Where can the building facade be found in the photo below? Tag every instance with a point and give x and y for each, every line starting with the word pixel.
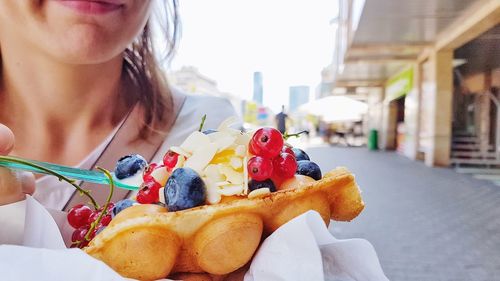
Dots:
pixel 432 70
pixel 298 95
pixel 258 88
pixel 189 80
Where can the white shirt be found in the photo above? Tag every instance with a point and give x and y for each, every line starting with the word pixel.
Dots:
pixel 54 194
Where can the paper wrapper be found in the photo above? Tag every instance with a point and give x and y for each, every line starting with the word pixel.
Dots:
pixel 302 249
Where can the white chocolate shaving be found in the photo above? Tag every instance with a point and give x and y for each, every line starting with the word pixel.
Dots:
pixel 229 190
pixel 180 151
pixel 259 193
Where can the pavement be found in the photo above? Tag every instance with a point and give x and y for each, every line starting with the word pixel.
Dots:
pixel 425 223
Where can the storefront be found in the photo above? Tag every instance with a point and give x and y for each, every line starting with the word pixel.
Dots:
pixel 394 124
pixel 416 66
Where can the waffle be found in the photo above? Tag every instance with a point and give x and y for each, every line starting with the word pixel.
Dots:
pixel 146 242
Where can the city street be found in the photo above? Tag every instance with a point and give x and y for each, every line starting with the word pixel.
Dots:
pixel 425 223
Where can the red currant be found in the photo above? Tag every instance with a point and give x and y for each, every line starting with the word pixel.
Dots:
pixel 170 159
pixel 111 205
pixel 150 193
pixel 95 214
pixel 260 168
pixel 266 142
pixel 78 237
pixel 146 176
pixel 78 215
pixel 79 234
pixel 285 165
pixel 288 150
pixel 105 220
pixel 93 217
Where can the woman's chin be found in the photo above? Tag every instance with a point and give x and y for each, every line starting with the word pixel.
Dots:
pixel 82 48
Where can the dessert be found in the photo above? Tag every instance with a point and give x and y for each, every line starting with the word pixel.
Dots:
pixel 209 204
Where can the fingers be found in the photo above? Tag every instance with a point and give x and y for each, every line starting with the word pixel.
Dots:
pixel 15 185
pixel 27 182
pixel 6 140
pixel 10 187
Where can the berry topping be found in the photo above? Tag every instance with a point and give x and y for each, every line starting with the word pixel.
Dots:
pixel 146 176
pixel 170 159
pixel 308 168
pixel 105 220
pixel 253 185
pixel 260 168
pixel 149 193
pixel 110 207
pixel 129 165
pixel 300 154
pixel 285 165
pixel 79 215
pixel 184 189
pixel 266 142
pixel 122 205
pixel 78 237
pixel 288 149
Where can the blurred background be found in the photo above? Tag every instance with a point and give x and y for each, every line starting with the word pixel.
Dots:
pixel 403 93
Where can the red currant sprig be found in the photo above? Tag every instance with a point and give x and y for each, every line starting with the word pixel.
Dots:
pixel 105 209
pixel 273 160
pixel 79 216
pixel 266 142
pixel 287 135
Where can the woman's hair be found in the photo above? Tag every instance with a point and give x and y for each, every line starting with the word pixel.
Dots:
pixel 142 67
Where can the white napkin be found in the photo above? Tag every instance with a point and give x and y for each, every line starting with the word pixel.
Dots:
pixel 302 249
pixel 40 228
pixel 20 263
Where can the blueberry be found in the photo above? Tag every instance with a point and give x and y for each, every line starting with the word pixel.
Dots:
pixel 209 131
pixel 122 205
pixel 300 154
pixel 129 165
pixel 253 185
pixel 308 168
pixel 184 189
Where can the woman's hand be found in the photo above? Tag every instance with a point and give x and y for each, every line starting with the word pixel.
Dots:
pixel 13 185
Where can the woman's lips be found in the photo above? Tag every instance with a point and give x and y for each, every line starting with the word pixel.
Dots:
pixel 92 7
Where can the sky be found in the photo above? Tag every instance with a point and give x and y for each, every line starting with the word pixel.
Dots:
pixel 289 41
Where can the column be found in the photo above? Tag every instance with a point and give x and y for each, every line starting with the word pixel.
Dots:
pixel 442 97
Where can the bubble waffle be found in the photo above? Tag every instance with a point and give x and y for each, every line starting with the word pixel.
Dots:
pixel 146 242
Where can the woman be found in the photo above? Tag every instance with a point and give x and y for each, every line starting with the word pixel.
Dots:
pixel 79 82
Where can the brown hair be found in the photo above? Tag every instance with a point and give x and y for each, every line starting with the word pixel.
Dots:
pixel 142 68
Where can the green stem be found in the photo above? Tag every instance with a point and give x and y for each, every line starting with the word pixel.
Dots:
pixel 48 171
pixel 287 136
pixel 104 212
pixel 202 122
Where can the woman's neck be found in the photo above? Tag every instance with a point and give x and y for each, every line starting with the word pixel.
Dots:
pixel 53 107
